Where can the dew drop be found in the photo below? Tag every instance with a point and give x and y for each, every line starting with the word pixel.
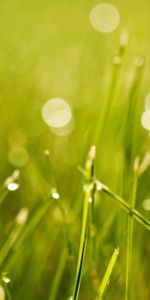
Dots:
pixel 13 186
pixel 55 195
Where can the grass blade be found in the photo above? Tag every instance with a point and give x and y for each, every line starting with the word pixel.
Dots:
pixel 107 275
pixel 85 219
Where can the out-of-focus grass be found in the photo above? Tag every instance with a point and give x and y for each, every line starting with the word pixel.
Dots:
pixel 49 49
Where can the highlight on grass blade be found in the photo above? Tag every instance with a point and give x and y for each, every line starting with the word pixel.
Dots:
pixel 107 274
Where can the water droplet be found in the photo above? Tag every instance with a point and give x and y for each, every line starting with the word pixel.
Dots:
pixel 104 17
pixel 56 113
pixel 55 195
pixel 145 119
pixel 5 278
pixel 90 200
pixel 13 186
pixel 99 185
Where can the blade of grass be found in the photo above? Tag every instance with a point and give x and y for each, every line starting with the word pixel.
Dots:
pixel 29 227
pixel 85 219
pixel 58 276
pixel 13 235
pixel 107 274
pixel 122 203
pixel 130 231
pixel 107 105
pixel 132 212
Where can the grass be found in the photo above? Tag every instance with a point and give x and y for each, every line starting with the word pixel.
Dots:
pixel 106 278
pixel 60 223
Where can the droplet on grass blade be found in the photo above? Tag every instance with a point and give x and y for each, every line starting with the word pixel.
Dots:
pixel 90 200
pixel 5 278
pixel 104 17
pixel 145 119
pixel 11 182
pixel 13 186
pixel 99 185
pixel 55 195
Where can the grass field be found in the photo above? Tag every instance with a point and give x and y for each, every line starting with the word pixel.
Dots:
pixel 74 199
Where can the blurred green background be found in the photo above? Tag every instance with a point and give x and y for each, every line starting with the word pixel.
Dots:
pixel 49 49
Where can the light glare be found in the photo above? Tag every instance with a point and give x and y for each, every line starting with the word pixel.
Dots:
pixel 56 113
pixel 104 17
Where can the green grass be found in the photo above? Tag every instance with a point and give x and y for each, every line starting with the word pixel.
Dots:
pixel 78 208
